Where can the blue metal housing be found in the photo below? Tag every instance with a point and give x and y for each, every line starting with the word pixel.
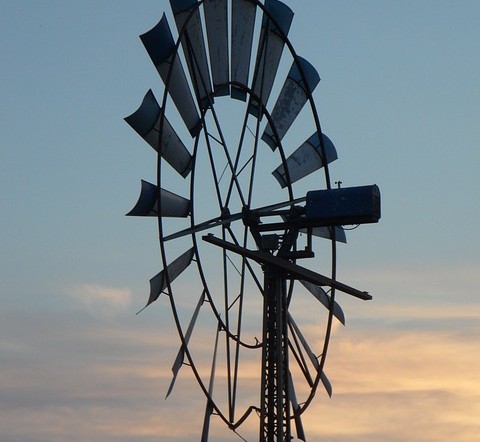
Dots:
pixel 349 205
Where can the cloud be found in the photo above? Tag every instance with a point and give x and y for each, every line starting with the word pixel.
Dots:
pixel 66 373
pixel 101 301
pixel 396 385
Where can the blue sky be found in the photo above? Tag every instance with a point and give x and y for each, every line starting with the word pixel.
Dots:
pixel 399 97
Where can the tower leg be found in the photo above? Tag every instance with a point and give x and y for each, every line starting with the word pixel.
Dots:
pixel 275 407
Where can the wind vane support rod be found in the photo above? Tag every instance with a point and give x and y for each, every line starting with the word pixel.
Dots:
pixel 294 270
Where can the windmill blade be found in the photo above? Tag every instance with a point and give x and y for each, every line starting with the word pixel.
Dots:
pixel 326 232
pixel 324 299
pixel 171 204
pixel 326 383
pixel 209 407
pixel 305 160
pixel 243 24
pixel 146 122
pixel 159 282
pixel 296 408
pixel 216 19
pixel 181 353
pixel 193 46
pixel 304 342
pixel 269 51
pixel 292 98
pixel 311 355
pixel 160 46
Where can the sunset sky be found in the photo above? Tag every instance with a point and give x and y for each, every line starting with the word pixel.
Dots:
pixel 399 96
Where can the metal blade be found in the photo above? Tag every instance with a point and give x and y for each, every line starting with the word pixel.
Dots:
pixel 326 232
pixel 209 407
pixel 193 46
pixel 243 23
pixel 313 358
pixel 159 282
pixel 324 298
pixel 304 342
pixel 216 19
pixel 296 408
pixel 146 122
pixel 326 383
pixel 171 204
pixel 181 353
pixel 160 46
pixel 269 51
pixel 292 98
pixel 305 160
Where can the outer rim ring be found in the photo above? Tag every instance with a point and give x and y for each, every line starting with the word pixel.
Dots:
pixel 169 289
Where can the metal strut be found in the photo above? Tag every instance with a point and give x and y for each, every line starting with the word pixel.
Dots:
pixel 275 404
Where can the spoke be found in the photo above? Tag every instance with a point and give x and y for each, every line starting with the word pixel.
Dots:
pixel 212 164
pixel 229 159
pixel 181 353
pixel 237 157
pixel 244 166
pixel 227 324
pixel 249 266
pixel 239 321
pixel 266 209
pixel 221 220
pixel 245 238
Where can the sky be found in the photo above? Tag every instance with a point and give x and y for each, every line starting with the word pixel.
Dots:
pixel 399 97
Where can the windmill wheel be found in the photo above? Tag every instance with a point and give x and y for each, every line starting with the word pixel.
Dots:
pixel 237 134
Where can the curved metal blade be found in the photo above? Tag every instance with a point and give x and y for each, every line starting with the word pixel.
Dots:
pixel 326 383
pixel 160 46
pixel 171 204
pixel 193 46
pixel 216 19
pixel 159 282
pixel 292 98
pixel 243 23
pixel 326 232
pixel 269 51
pixel 304 342
pixel 325 299
pixel 311 355
pixel 305 160
pixel 296 408
pixel 181 353
pixel 146 122
pixel 209 407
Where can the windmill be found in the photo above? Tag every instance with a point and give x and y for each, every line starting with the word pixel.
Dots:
pixel 237 225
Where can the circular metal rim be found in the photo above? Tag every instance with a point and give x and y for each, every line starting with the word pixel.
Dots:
pixel 328 327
